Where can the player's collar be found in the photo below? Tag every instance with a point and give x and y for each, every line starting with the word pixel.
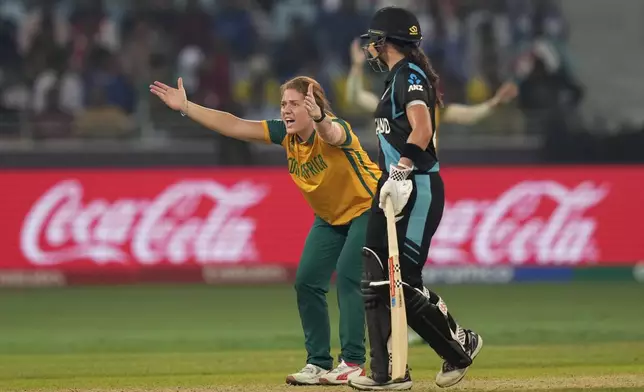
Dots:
pixel 310 139
pixel 395 69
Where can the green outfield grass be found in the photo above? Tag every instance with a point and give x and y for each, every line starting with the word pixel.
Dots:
pixel 566 337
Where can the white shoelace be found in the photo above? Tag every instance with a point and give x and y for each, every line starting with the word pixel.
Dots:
pixel 309 369
pixel 341 367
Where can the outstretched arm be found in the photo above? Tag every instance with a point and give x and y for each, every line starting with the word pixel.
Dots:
pixel 226 123
pixel 216 120
pixel 471 114
pixel 355 92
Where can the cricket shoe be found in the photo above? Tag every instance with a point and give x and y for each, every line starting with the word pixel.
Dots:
pixel 342 374
pixel 451 375
pixel 364 383
pixel 309 375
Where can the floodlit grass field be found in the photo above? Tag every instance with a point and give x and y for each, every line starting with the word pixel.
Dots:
pixel 557 337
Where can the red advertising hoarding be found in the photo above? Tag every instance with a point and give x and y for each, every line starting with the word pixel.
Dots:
pixel 97 221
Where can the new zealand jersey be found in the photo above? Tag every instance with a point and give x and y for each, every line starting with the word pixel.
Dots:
pixel 405 84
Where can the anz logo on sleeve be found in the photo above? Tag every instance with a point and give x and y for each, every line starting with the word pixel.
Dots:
pixel 414 83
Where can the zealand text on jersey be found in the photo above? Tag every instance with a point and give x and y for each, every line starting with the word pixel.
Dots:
pixel 382 126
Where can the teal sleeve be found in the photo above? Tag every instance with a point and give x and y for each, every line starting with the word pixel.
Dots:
pixel 276 131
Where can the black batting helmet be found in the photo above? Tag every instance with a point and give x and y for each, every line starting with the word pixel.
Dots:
pixel 394 24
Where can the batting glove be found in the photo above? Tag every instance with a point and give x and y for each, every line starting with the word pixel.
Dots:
pixel 398 188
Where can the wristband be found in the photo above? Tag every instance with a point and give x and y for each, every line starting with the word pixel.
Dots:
pixel 321 118
pixel 186 112
pixel 413 152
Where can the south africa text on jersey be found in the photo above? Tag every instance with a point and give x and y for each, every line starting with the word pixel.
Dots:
pixel 308 169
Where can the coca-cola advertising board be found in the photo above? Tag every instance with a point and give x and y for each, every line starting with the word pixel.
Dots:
pixel 97 221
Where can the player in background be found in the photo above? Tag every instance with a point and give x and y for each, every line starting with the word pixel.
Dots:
pixel 338 180
pixel 406 119
pixel 357 95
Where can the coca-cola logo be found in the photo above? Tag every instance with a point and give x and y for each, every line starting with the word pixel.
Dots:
pixel 193 220
pixel 543 222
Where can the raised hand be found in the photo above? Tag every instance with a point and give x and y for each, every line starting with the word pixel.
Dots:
pixel 311 106
pixel 175 98
pixel 357 54
pixel 506 93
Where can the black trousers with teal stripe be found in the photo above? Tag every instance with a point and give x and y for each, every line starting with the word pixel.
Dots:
pixel 422 215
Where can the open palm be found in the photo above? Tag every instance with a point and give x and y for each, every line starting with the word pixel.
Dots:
pixel 357 54
pixel 506 93
pixel 175 98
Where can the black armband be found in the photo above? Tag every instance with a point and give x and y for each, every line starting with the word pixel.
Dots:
pixel 413 152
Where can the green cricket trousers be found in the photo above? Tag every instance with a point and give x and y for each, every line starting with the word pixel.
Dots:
pixel 327 249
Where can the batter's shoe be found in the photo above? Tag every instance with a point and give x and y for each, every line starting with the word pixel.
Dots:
pixel 365 383
pixel 451 375
pixel 342 374
pixel 309 375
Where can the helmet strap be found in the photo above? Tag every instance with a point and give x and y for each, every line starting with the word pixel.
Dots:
pixel 378 65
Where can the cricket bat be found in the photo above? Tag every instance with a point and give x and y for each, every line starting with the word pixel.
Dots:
pixel 399 343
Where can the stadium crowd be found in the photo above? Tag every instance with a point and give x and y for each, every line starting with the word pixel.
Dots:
pixel 72 68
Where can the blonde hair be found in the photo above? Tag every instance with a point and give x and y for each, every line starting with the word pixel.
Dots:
pixel 301 85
